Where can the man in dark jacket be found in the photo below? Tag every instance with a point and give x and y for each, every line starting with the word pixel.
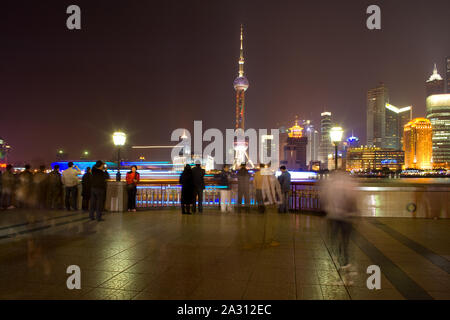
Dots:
pixel 198 175
pixel 187 189
pixel 55 188
pixel 243 188
pixel 285 183
pixel 98 191
pixel 86 183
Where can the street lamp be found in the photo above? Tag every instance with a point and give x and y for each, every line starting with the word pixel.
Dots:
pixel 336 137
pixel 119 139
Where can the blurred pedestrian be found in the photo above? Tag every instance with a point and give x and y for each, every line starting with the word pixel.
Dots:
pixel 225 191
pixel 132 178
pixel 55 189
pixel 24 191
pixel 8 181
pixel 338 198
pixel 86 184
pixel 285 184
pixel 98 191
pixel 243 188
pixel 187 189
pixel 70 182
pixel 271 190
pixel 258 185
pixel 198 176
pixel 40 180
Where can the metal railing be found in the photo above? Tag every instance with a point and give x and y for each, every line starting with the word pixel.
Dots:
pixel 304 196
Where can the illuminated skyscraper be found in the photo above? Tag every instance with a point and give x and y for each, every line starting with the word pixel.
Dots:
pixel 4 151
pixel 240 84
pixel 395 120
pixel 417 144
pixel 312 148
pixel 435 84
pixel 377 98
pixel 438 112
pixel 326 147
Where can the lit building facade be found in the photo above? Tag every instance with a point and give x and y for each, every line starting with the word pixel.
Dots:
pixel 438 112
pixel 395 119
pixel 293 149
pixel 240 85
pixel 418 144
pixel 435 84
pixel 367 158
pixel 4 152
pixel 326 147
pixel 352 142
pixel 312 148
pixel 377 98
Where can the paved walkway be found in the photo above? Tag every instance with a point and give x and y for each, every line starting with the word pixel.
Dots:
pixel 164 255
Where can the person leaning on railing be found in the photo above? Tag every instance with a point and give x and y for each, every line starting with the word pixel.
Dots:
pixel 225 191
pixel 285 183
pixel 133 178
pixel 98 190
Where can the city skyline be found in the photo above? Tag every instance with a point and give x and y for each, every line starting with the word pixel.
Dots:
pixel 72 89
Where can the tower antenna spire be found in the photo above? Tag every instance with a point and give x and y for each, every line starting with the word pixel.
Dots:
pixel 241 55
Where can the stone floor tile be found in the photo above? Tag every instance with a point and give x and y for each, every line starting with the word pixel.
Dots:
pixel 260 291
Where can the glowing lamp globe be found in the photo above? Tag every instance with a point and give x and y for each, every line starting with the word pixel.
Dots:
pixel 336 134
pixel 119 138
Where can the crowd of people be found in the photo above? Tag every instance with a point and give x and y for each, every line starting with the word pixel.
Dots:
pixel 29 189
pixel 269 189
pixel 54 190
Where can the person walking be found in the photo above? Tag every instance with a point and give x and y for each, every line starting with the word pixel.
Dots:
pixel 198 175
pixel 55 188
pixel 225 191
pixel 132 178
pixel 70 182
pixel 98 190
pixel 86 184
pixel 285 183
pixel 187 189
pixel 258 184
pixel 337 195
pixel 8 181
pixel 243 188
pixel 40 181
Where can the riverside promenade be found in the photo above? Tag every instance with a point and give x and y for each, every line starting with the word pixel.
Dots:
pixel 161 254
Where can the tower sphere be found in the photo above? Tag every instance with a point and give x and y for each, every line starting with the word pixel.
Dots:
pixel 240 83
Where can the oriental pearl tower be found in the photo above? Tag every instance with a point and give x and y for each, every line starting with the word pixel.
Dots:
pixel 240 84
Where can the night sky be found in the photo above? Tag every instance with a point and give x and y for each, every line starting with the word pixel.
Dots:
pixel 149 67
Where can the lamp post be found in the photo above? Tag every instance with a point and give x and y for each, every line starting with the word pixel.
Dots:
pixel 336 137
pixel 119 139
